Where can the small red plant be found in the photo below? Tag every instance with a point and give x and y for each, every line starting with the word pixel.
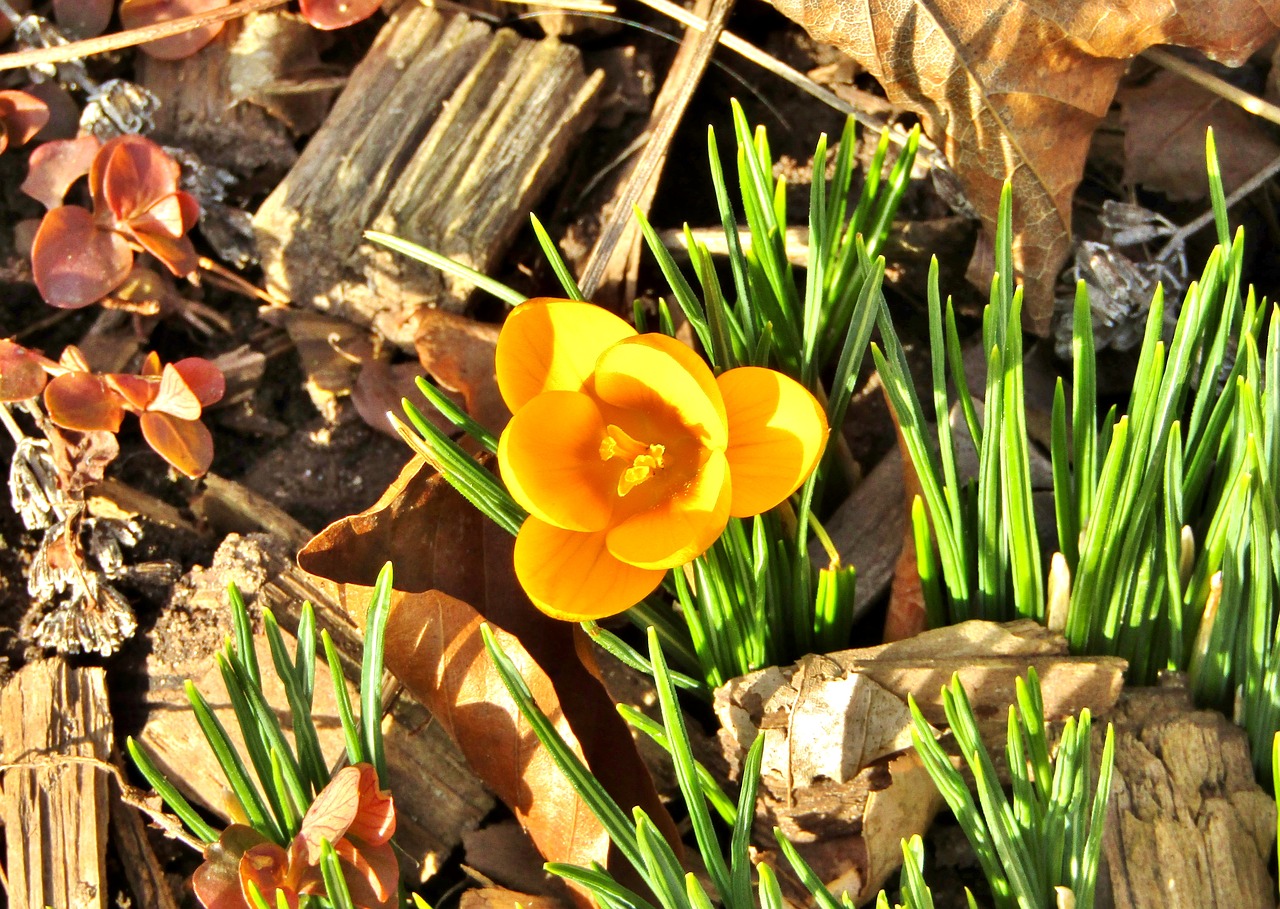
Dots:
pixel 21 117
pixel 331 14
pixel 139 13
pixel 80 256
pixel 168 400
pixel 351 813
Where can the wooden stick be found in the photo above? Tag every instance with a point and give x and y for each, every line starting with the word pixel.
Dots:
pixel 668 111
pixel 1220 87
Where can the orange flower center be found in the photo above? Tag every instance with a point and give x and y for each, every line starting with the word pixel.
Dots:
pixel 645 460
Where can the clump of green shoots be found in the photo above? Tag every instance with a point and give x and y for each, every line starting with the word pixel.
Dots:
pixel 1047 838
pixel 754 598
pixel 1165 510
pixel 310 832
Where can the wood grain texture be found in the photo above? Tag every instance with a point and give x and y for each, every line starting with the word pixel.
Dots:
pixel 446 135
pixel 1187 824
pixel 55 810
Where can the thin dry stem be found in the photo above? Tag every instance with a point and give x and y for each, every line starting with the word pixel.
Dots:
pixel 78 50
pixel 772 64
pixel 1220 87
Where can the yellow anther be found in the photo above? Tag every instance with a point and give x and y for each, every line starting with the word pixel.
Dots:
pixel 645 459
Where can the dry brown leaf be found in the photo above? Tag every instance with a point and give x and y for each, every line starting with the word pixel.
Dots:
pixel 906 615
pixel 838 775
pixel 458 353
pixel 453 571
pixel 1165 121
pixel 1015 90
pixel 502 898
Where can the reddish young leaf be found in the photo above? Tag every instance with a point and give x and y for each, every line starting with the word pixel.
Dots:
pixel 21 117
pixel 83 18
pixel 55 165
pixel 139 13
pixel 74 262
pixel 203 378
pixel 178 255
pixel 174 397
pixel 371 873
pixel 217 881
pixel 375 820
pixel 267 867
pixel 84 402
pixel 137 391
pixel 331 14
pixel 331 813
pixel 21 375
pixel 130 175
pixel 186 444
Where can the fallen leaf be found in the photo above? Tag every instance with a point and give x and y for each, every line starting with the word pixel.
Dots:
pixel 1170 159
pixel 1015 91
pixel 458 353
pixel 453 572
pixel 379 389
pixel 502 898
pixel 838 774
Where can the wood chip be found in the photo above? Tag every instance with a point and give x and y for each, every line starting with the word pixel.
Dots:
pixel 55 808
pixel 1188 827
pixel 446 135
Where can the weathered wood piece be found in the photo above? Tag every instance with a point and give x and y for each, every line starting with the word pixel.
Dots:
pixel 198 110
pixel 437 796
pixel 55 809
pixel 1187 824
pixel 447 133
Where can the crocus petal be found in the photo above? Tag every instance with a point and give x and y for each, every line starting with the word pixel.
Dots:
pixel 186 444
pixel 644 376
pixel 549 455
pixel 777 433
pixel 572 576
pixel 552 345
pixel 74 262
pixel 681 527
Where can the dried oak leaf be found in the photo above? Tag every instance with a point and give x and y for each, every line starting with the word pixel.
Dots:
pixel 459 354
pixel 1170 159
pixel 453 572
pixel 1015 90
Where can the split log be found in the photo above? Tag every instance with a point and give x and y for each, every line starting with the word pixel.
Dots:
pixel 55 807
pixel 437 796
pixel 141 866
pixel 446 135
pixel 1187 824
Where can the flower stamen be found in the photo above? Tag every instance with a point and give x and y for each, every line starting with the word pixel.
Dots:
pixel 645 459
